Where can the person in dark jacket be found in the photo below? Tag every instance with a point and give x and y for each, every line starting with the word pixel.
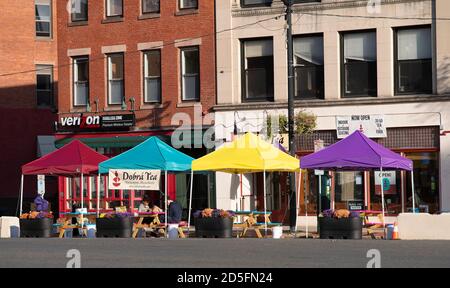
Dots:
pixel 174 212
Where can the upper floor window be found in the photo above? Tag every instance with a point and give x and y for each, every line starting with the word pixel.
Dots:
pixel 150 6
pixel 190 74
pixel 359 64
pixel 43 13
pixel 188 4
pixel 309 67
pixel 413 67
pixel 116 87
pixel 114 8
pixel 250 3
pixel 256 3
pixel 152 76
pixel 257 70
pixel 81 81
pixel 79 10
pixel 44 85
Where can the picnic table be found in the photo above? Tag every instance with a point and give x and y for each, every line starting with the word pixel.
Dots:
pixel 154 224
pixel 67 221
pixel 250 222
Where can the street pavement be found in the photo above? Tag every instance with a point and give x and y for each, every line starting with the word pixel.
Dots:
pixel 223 253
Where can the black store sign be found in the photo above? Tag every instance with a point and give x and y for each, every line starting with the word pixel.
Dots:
pixel 97 122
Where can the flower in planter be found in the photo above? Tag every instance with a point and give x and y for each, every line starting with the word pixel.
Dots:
pixel 340 214
pixel 213 213
pixel 37 215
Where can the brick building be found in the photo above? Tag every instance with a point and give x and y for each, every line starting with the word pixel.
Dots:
pixel 126 68
pixel 27 88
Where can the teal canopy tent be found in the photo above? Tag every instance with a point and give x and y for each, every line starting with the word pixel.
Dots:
pixel 153 154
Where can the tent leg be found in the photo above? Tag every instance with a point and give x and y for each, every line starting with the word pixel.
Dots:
pixel 98 195
pixel 413 192
pixel 403 190
pixel 190 201
pixel 382 202
pixel 297 198
pixel 265 203
pixel 21 194
pixel 165 196
pixel 82 201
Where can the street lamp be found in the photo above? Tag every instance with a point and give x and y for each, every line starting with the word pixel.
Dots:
pixel 291 133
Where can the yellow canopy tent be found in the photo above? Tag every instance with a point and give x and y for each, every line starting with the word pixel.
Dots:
pixel 247 154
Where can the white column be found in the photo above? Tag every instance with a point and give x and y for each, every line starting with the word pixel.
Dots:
pixel 413 192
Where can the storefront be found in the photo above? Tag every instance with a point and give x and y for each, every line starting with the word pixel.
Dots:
pixel 355 190
pixel 112 135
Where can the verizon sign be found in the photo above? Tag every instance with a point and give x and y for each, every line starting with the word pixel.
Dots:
pixel 134 180
pixel 96 122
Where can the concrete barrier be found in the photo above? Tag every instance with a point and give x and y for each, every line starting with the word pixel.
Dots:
pixel 423 226
pixel 9 227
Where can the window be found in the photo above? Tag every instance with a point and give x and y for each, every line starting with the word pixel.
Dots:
pixel 152 76
pixel 253 3
pixel 44 85
pixel 257 70
pixel 150 6
pixel 413 68
pixel 188 4
pixel 116 88
pixel 359 64
pixel 79 10
pixel 308 63
pixel 80 81
pixel 190 74
pixel 114 8
pixel 43 11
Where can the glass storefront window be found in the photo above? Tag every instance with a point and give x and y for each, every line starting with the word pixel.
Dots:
pixel 349 187
pixel 426 181
pixel 392 191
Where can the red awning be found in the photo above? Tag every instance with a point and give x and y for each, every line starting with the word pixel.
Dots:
pixel 73 159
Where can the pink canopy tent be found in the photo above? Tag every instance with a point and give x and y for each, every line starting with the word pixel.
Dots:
pixel 73 160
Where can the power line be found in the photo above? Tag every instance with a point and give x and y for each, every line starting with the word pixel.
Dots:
pixel 155 47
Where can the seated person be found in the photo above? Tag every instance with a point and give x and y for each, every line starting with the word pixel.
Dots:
pixel 147 206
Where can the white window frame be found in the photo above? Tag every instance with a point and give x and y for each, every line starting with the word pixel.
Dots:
pixel 50 21
pixel 76 81
pixel 183 73
pixel 147 77
pixel 110 78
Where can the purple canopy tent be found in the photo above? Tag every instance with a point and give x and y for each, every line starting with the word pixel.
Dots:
pixel 359 153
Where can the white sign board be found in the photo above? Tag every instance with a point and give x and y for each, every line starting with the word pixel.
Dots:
pixel 134 179
pixel 373 126
pixel 389 182
pixel 41 185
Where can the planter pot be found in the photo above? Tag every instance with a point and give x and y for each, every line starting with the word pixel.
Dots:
pixel 345 228
pixel 114 227
pixel 36 228
pixel 214 227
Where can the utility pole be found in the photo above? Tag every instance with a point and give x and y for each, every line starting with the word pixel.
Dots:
pixel 292 149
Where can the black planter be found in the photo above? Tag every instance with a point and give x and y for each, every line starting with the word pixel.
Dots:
pixel 214 227
pixel 114 227
pixel 344 228
pixel 36 228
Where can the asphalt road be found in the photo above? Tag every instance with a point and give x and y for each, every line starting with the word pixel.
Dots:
pixel 221 253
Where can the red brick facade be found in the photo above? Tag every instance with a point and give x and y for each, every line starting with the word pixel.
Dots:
pixel 168 27
pixel 20 119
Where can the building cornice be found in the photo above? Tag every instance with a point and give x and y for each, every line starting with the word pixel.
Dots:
pixel 278 8
pixel 334 103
